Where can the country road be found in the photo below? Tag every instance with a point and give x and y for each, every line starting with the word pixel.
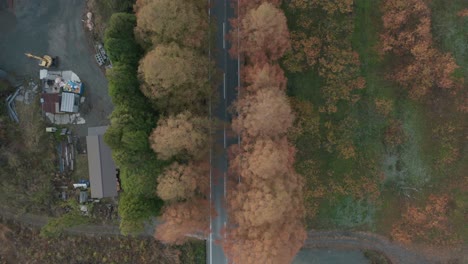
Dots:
pixel 220 12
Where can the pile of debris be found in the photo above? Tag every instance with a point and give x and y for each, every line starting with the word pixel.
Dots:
pixel 89 21
pixel 22 94
pixel 61 97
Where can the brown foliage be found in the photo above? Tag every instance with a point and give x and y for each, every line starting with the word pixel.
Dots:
pixel 169 70
pixel 247 5
pixel 330 6
pixel 407 33
pixel 305 51
pixel 394 134
pixel 183 134
pixel 267 201
pixel 383 106
pixel 264 159
pixel 165 21
pixel 265 113
pixel 340 69
pixel 266 206
pixel 181 219
pixel 429 223
pixel 307 119
pixel 463 13
pixel 180 181
pixel 265 76
pixel 264 34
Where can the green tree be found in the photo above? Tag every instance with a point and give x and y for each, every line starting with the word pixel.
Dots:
pixel 166 21
pixel 119 40
pixel 181 74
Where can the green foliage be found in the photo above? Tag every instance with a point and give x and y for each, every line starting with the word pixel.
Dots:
pixel 119 41
pixel 450 30
pixel 131 123
pixel 193 252
pixel 56 226
pixel 118 5
pixel 135 209
pixel 376 257
pixel 124 86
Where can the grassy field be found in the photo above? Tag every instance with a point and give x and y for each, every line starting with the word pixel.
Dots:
pixel 409 171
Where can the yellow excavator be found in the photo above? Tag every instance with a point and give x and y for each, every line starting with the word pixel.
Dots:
pixel 45 61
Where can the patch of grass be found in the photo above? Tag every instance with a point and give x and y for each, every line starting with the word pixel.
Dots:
pixel 354 213
pixel 450 30
pixel 193 252
pixel 388 211
pixel 81 168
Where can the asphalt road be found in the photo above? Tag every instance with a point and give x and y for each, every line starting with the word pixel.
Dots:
pixel 54 27
pixel 220 12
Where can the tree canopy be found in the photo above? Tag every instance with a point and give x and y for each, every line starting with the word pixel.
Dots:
pixel 166 21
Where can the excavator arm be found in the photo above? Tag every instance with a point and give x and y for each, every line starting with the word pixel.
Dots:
pixel 46 61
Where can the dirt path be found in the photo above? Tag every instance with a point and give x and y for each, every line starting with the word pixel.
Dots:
pixel 316 239
pixel 396 252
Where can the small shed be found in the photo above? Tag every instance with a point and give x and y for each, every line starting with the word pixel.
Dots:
pixel 102 169
pixel 69 102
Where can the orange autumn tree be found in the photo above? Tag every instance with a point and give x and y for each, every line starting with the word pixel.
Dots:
pixel 407 34
pixel 429 223
pixel 263 33
pixel 183 181
pixel 183 135
pixel 257 117
pixel 182 219
pixel 266 76
pixel 266 207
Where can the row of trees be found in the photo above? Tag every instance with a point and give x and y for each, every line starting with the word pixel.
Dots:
pixel 131 123
pixel 266 209
pixel 174 75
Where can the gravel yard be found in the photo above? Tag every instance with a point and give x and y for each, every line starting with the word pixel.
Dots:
pixel 54 27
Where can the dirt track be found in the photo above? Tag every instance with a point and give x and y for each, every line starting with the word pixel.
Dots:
pixel 54 27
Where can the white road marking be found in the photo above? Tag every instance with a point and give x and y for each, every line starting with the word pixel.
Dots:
pixel 224 35
pixel 224 136
pixel 224 85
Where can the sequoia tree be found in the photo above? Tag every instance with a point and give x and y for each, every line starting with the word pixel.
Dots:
pixel 180 181
pixel 182 219
pixel 183 134
pixel 264 34
pixel 266 112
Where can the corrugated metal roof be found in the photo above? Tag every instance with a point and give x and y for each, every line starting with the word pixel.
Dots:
pixel 68 103
pixel 49 102
pixel 102 169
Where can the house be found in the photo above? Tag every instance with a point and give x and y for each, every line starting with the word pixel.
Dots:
pixel 102 169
